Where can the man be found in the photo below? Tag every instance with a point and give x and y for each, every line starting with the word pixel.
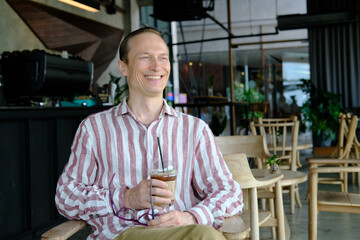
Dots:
pixel 106 181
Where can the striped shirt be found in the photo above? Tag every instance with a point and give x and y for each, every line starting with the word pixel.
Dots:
pixel 114 143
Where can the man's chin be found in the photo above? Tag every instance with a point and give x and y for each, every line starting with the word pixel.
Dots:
pixel 154 94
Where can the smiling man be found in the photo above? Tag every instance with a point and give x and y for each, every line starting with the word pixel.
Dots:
pixel 106 181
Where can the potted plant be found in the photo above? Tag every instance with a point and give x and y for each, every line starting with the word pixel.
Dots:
pixel 249 96
pixel 320 114
pixel 274 163
pixel 218 123
pixel 119 90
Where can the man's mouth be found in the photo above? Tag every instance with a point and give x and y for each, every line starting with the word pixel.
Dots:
pixel 153 77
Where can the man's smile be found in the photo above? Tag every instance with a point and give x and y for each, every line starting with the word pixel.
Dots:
pixel 153 77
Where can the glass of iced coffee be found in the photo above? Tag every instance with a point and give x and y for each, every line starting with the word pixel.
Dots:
pixel 166 173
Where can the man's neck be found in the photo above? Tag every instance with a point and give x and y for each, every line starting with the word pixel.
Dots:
pixel 146 110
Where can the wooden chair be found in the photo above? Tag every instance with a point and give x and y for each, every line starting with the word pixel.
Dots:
pixel 284 144
pixel 300 145
pixel 355 148
pixel 346 142
pixel 279 140
pixel 239 167
pixel 253 147
pixel 330 201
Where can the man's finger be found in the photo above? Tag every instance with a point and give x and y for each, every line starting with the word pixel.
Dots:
pixel 158 183
pixel 161 192
pixel 165 220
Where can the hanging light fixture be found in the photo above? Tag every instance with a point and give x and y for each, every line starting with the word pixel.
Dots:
pixel 88 5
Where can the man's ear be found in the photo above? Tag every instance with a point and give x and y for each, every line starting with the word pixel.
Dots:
pixel 122 68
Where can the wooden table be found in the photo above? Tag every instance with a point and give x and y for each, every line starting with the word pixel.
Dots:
pixel 291 178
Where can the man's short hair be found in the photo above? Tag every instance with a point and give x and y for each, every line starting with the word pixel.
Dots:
pixel 124 46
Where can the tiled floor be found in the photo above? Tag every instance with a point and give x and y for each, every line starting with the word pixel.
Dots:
pixel 331 226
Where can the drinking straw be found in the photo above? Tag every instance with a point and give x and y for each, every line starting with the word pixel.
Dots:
pixel 151 201
pixel 161 157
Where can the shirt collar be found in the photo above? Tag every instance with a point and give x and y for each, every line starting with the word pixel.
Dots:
pixel 123 109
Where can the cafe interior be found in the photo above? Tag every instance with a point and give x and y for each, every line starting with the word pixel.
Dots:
pixel 277 81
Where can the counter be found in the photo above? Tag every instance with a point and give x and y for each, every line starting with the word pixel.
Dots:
pixel 34 148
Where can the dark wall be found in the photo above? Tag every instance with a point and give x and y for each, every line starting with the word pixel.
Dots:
pixel 34 148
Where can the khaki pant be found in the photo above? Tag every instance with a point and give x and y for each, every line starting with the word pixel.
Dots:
pixel 189 232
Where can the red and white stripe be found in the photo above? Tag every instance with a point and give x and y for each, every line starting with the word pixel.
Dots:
pixel 113 142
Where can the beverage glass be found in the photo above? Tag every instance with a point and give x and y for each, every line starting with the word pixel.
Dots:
pixel 167 174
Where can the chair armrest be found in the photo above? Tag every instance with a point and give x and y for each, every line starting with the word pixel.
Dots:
pixel 265 181
pixel 238 226
pixel 234 224
pixel 64 230
pixel 332 161
pixel 333 169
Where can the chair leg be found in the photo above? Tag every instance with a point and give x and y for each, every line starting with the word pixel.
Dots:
pixel 255 234
pixel 272 210
pixel 298 158
pixel 292 199
pixel 342 184
pixel 353 175
pixel 279 212
pixel 313 212
pixel 353 178
pixel 346 181
pixel 263 204
pixel 297 197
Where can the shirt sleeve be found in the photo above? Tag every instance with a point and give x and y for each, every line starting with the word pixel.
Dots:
pixel 77 197
pixel 222 196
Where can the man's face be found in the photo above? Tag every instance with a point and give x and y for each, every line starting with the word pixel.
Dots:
pixel 148 66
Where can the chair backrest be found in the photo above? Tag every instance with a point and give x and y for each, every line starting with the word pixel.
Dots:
pixel 342 151
pixel 240 169
pixel 279 140
pixel 292 118
pixel 345 121
pixel 349 127
pixel 252 146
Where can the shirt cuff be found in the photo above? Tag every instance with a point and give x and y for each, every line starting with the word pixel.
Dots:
pixel 202 214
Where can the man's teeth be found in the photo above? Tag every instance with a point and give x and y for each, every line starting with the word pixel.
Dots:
pixel 153 77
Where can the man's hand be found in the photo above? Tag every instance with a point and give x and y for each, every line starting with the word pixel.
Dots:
pixel 139 196
pixel 172 219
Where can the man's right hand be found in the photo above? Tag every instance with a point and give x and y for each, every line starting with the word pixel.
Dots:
pixel 139 196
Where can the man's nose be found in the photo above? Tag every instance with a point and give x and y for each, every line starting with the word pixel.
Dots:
pixel 155 64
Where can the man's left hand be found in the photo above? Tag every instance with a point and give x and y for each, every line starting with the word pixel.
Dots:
pixel 172 219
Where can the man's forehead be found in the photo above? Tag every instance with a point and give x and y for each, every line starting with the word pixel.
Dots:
pixel 159 46
pixel 146 35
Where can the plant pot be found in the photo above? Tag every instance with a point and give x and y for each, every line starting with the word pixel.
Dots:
pixel 210 91
pixel 274 169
